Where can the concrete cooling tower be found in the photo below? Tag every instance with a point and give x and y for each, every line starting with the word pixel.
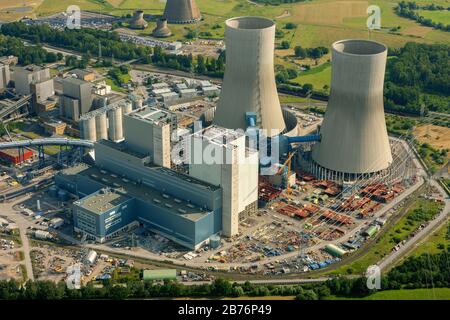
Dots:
pixel 161 30
pixel 181 11
pixel 138 22
pixel 249 80
pixel 354 138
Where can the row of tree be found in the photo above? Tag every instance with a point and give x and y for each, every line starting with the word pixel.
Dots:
pixel 409 10
pixel 85 40
pixel 416 272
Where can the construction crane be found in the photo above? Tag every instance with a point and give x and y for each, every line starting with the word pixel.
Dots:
pixel 288 164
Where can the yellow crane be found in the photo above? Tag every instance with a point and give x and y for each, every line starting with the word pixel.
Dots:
pixel 287 163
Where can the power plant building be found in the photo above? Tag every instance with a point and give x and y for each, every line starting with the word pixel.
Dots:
pixel 181 11
pixel 76 99
pixel 354 138
pixel 219 156
pixel 179 207
pixel 249 80
pixel 148 131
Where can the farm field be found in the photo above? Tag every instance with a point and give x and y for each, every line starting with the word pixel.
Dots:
pixel 415 294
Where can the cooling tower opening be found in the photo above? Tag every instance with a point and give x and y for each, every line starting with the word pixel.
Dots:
pixel 359 47
pixel 249 23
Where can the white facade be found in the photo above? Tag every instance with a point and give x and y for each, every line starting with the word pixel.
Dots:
pixel 229 165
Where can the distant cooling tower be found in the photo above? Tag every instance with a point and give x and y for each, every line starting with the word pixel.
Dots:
pixel 181 11
pixel 161 30
pixel 249 80
pixel 354 135
pixel 138 22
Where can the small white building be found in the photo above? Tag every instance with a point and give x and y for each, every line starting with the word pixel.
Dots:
pixel 56 222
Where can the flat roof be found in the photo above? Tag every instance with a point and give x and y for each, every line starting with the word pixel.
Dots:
pixel 145 193
pixel 122 147
pixel 102 201
pixel 151 115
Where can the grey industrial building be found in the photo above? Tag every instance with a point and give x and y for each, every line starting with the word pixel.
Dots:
pixel 76 99
pixel 5 76
pixel 148 131
pixel 35 81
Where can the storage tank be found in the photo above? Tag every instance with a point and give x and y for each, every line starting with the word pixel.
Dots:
pixel 249 80
pixel 115 130
pixel 91 257
pixel 101 125
pixel 214 241
pixel 63 195
pixel 354 138
pixel 335 250
pixel 127 107
pixel 88 128
pixel 53 191
pixel 137 103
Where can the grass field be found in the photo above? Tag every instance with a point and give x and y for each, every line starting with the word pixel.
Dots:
pixel 318 76
pixel 387 241
pixel 415 294
pixel 442 16
pixel 435 242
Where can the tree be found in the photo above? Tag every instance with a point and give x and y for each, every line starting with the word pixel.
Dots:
pixel 285 44
pixel 300 52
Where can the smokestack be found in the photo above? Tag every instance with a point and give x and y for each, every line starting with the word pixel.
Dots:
pixel 249 80
pixel 354 135
pixel 181 11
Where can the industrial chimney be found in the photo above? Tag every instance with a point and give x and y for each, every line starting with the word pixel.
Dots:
pixel 249 80
pixel 181 11
pixel 354 138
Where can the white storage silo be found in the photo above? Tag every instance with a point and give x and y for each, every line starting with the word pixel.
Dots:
pixel 88 129
pixel 115 130
pixel 101 125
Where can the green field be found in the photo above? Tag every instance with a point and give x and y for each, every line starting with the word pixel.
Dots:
pixel 415 294
pixel 442 16
pixel 318 76
pixel 319 22
pixel 398 232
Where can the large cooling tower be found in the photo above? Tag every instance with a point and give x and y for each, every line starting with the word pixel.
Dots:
pixel 249 80
pixel 181 11
pixel 354 135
